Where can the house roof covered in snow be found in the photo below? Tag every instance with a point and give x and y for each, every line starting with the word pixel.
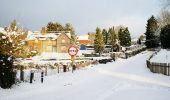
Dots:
pixel 39 36
pixel 83 37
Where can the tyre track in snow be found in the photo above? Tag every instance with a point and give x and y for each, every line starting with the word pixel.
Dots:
pixel 134 77
pixel 135 65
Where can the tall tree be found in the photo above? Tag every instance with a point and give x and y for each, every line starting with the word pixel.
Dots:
pixel 109 36
pixel 98 42
pixel 54 26
pixel 124 37
pixel 105 36
pixel 7 73
pixel 165 37
pixel 69 27
pixel 163 18
pixel 113 39
pixel 152 38
pixel 18 38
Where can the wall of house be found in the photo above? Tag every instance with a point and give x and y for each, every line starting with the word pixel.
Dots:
pixel 63 43
pixel 42 45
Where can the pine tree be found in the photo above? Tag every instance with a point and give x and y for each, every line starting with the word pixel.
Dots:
pixel 98 42
pixel 59 27
pixel 127 37
pixel 120 35
pixel 54 26
pixel 113 39
pixel 69 27
pixel 73 38
pixel 105 36
pixel 124 37
pixel 152 39
pixel 165 37
pixel 7 73
pixel 109 36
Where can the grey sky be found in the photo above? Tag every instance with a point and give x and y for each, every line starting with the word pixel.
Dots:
pixel 85 15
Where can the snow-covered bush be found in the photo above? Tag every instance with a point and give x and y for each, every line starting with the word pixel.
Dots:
pixel 7 73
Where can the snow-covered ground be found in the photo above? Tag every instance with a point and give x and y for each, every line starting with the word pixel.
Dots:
pixel 163 56
pixel 125 79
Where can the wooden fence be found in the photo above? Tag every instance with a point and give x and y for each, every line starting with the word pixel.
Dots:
pixel 155 67
pixel 50 69
pixel 163 68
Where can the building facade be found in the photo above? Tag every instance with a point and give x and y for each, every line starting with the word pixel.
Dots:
pixel 48 42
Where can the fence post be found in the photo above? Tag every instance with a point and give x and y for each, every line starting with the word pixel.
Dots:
pixel 73 68
pixel 58 70
pixel 42 76
pixel 68 67
pixel 45 70
pixel 22 73
pixel 64 68
pixel 31 77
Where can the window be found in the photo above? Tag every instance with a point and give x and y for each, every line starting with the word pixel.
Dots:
pixel 63 41
pixel 48 48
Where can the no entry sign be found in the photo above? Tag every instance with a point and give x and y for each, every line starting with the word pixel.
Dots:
pixel 72 51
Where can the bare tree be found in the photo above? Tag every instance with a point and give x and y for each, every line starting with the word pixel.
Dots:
pixel 164 18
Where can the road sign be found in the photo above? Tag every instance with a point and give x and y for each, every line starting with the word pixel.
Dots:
pixel 72 51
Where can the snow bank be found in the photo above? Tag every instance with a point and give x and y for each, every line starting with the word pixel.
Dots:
pixel 163 56
pixel 125 79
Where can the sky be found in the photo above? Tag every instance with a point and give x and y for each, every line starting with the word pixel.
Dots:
pixel 84 15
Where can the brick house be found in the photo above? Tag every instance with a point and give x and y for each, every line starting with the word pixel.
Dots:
pixel 48 42
pixel 63 43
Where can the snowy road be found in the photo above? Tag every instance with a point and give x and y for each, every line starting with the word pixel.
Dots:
pixel 121 80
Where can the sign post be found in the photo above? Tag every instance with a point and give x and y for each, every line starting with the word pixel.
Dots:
pixel 72 51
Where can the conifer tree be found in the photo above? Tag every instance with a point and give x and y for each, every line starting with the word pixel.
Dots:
pixel 152 39
pixel 70 28
pixel 127 37
pixel 113 39
pixel 124 37
pixel 109 36
pixel 105 36
pixel 165 37
pixel 98 42
pixel 54 26
pixel 7 73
